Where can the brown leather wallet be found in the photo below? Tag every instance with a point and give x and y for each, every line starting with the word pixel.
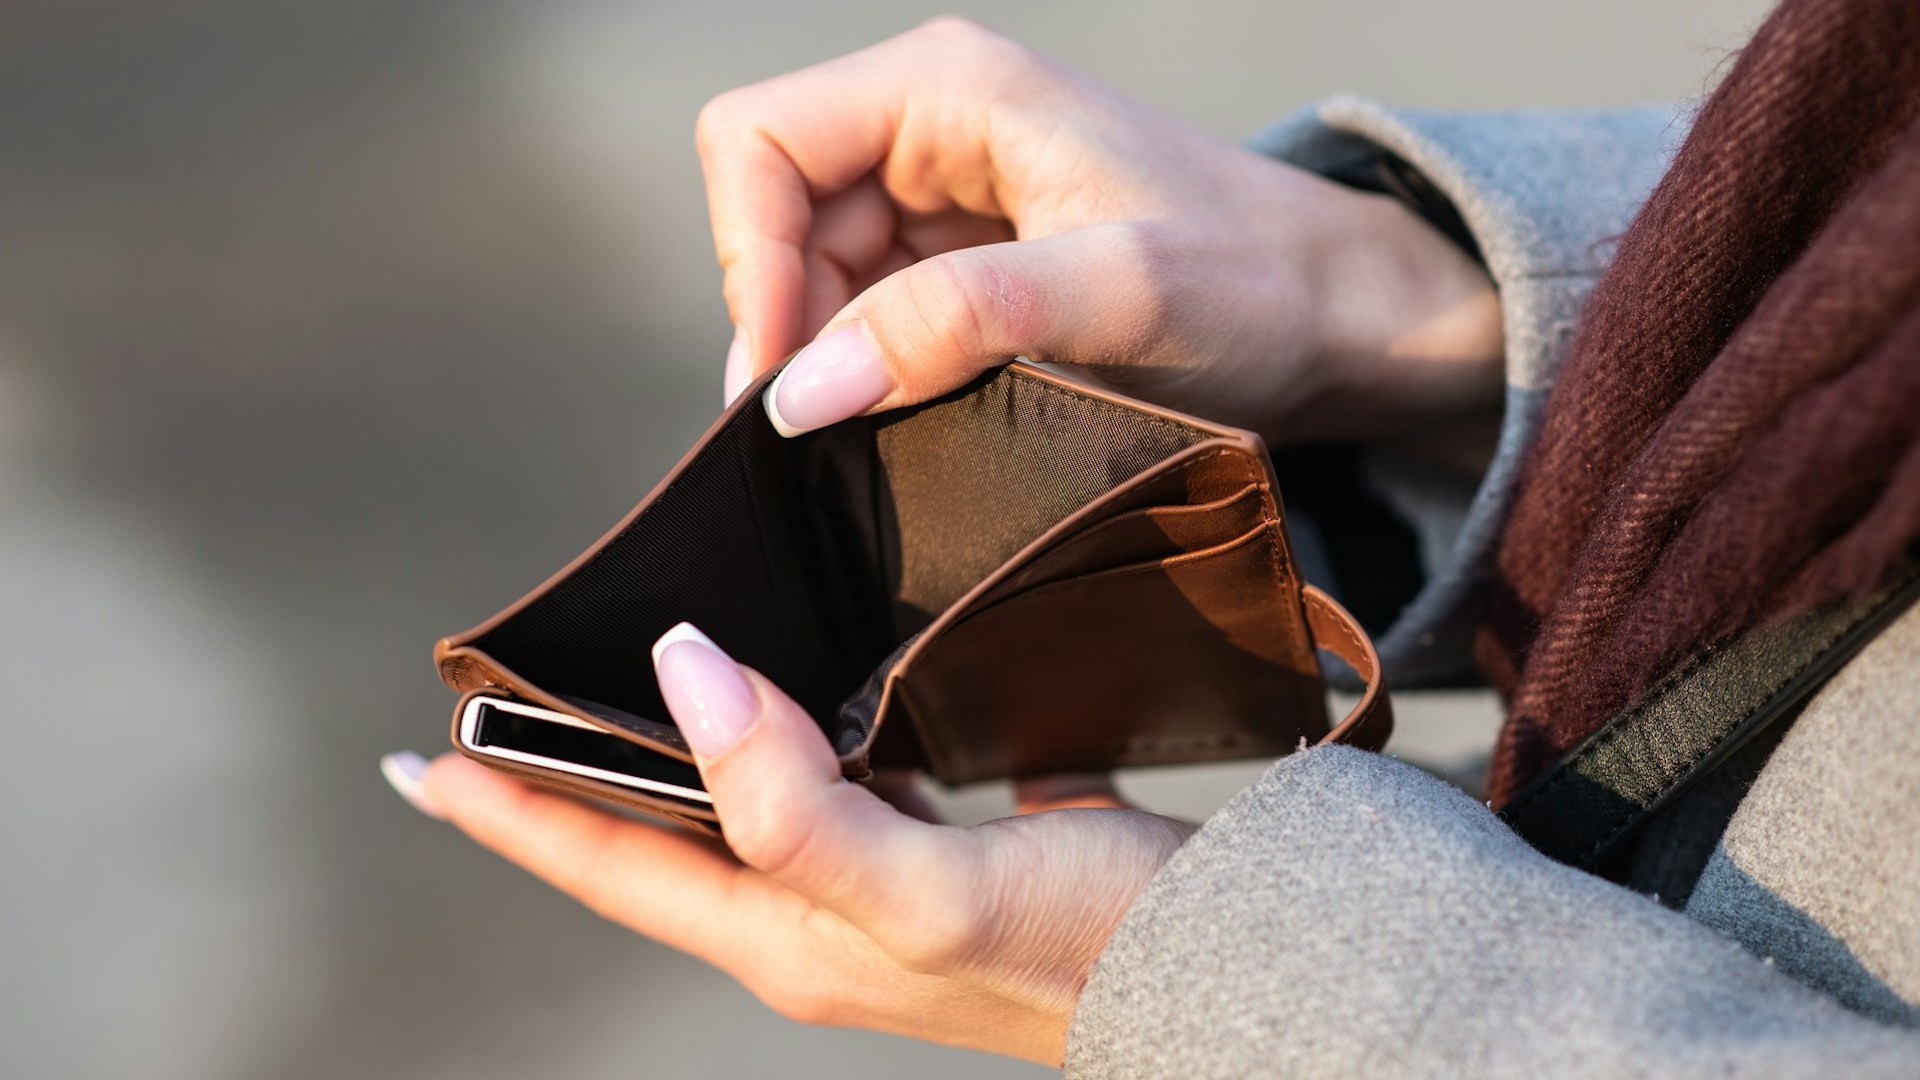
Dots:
pixel 1022 577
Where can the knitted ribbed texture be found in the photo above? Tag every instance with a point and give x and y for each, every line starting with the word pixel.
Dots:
pixel 1734 434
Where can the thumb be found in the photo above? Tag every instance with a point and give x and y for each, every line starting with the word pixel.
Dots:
pixel 777 788
pixel 936 324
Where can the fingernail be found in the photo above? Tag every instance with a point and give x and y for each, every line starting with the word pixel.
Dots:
pixel 709 698
pixel 739 366
pixel 406 771
pixel 838 376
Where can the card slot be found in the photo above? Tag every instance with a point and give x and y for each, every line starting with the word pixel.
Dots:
pixel 1212 472
pixel 1164 564
pixel 1192 657
pixel 860 711
pixel 1138 536
pixel 1213 469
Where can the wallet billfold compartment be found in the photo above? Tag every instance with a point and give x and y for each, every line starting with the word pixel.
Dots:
pixel 1022 577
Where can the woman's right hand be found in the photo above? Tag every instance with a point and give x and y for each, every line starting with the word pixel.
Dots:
pixel 930 207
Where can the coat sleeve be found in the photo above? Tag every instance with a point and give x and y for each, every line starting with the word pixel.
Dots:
pixel 1350 916
pixel 1543 194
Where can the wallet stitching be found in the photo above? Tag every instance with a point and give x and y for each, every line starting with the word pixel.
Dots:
pixel 1272 521
pixel 1158 421
pixel 1352 640
pixel 1295 619
pixel 1295 614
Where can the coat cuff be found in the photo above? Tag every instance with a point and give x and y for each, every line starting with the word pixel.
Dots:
pixel 1544 193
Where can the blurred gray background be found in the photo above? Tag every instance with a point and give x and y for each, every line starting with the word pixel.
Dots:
pixel 327 328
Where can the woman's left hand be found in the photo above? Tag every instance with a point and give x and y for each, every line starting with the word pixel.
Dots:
pixel 836 906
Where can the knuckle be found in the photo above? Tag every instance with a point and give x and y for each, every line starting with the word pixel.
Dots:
pixel 1148 268
pixel 976 308
pixel 773 843
pixel 969 46
pixel 718 118
pixel 950 26
pixel 1012 304
pixel 942 298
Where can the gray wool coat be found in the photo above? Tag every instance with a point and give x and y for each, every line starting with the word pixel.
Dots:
pixel 1351 916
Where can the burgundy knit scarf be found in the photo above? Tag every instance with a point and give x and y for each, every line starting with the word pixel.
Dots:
pixel 1735 435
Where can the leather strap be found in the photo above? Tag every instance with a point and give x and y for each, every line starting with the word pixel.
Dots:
pixel 1368 724
pixel 1606 788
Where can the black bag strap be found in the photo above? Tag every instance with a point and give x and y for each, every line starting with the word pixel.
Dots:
pixel 1580 811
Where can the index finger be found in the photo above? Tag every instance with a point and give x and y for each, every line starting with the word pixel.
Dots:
pixel 770 150
pixel 690 897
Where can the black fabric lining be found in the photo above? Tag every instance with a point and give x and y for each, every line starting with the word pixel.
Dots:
pixel 813 559
pixel 1374 554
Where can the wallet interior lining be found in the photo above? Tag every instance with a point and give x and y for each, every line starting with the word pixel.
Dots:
pixel 812 559
pixel 725 546
pixel 972 479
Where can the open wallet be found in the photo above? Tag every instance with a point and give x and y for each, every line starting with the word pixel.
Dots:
pixel 1025 576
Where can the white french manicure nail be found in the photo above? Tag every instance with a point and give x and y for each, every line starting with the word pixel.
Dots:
pixel 711 701
pixel 839 376
pixel 685 631
pixel 406 772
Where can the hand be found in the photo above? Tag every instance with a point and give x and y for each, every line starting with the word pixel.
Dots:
pixel 835 906
pixel 948 199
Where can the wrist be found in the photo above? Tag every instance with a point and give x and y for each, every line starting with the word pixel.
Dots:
pixel 1408 332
